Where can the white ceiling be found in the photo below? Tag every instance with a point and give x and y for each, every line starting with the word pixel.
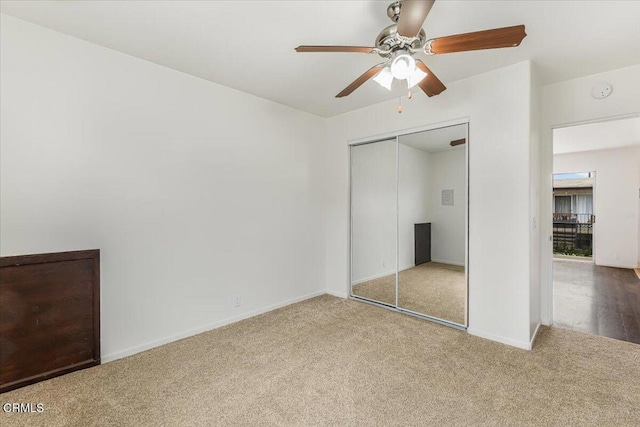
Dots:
pixel 435 140
pixel 597 136
pixel 248 45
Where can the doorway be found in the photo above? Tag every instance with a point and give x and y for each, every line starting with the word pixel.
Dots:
pixel 574 217
pixel 596 229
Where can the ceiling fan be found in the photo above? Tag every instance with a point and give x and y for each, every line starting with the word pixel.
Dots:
pixel 398 42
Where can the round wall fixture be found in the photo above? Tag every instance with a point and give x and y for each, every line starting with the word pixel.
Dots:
pixel 601 90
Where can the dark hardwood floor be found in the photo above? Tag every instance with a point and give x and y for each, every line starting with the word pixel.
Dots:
pixel 598 300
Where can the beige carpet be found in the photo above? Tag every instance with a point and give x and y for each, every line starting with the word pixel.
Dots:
pixel 330 361
pixel 432 288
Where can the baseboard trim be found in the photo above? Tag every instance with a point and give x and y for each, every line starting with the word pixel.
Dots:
pixel 378 276
pixel 337 294
pixel 157 343
pixel 535 335
pixel 374 277
pixel 508 341
pixel 607 264
pixel 442 261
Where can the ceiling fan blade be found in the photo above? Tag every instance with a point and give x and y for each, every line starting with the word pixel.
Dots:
pixel 431 85
pixel 353 49
pixel 488 39
pixel 360 80
pixel 412 16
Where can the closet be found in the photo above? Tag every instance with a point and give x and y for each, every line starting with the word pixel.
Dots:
pixel 409 223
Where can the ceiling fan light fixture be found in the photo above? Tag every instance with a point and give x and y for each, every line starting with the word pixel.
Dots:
pixel 415 77
pixel 402 64
pixel 384 78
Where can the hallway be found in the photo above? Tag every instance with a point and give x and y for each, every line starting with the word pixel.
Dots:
pixel 598 300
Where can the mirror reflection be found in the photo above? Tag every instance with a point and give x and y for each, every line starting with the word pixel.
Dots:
pixel 373 221
pixel 432 207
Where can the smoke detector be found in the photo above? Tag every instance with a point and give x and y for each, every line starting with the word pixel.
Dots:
pixel 601 90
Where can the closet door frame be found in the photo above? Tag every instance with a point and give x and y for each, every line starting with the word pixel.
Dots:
pixel 395 136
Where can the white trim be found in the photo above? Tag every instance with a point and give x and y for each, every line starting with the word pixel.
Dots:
pixel 467 183
pixel 442 261
pixel 596 120
pixel 374 277
pixel 400 132
pixel 626 266
pixel 397 301
pixel 596 225
pixel 378 276
pixel 535 335
pixel 349 275
pixel 157 343
pixel 408 267
pixel 519 344
pixel 337 294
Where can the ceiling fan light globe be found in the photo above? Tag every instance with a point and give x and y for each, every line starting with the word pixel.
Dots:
pixel 384 78
pixel 416 77
pixel 402 65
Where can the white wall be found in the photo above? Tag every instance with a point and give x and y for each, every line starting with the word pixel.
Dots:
pixel 448 222
pixel 616 201
pixel 563 104
pixel 498 107
pixel 193 192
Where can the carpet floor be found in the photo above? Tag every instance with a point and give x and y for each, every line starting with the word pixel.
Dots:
pixel 432 288
pixel 331 361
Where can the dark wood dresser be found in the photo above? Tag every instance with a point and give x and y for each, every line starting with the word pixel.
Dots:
pixel 49 316
pixel 422 242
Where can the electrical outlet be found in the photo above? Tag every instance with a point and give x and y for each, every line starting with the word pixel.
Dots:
pixel 237 301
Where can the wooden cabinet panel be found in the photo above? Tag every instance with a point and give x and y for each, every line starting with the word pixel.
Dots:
pixel 49 316
pixel 422 243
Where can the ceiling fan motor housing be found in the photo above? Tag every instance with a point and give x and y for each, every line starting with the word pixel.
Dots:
pixel 389 41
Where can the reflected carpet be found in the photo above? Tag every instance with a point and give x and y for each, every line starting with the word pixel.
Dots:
pixel 432 288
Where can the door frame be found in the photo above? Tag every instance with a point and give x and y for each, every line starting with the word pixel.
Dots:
pixel 546 255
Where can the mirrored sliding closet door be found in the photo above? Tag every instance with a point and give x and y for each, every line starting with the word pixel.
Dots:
pixel 374 208
pixel 409 223
pixel 432 212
